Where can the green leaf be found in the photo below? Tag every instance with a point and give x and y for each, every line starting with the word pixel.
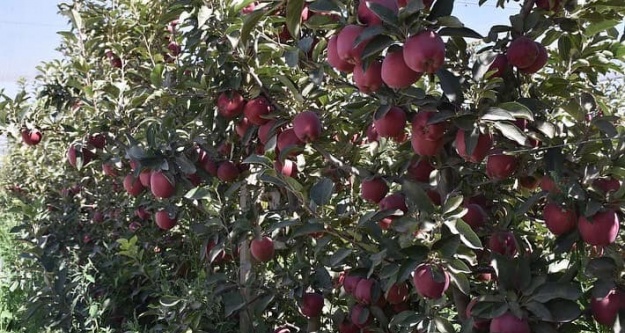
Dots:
pixel 376 45
pixel 338 257
pixel 442 324
pixel 258 159
pixel 251 20
pixel 512 132
pixel 489 309
pixel 467 235
pixel 441 8
pixel 602 25
pixel 385 14
pixel 321 192
pixel 452 203
pixel 459 32
pixel 563 311
pixel 450 84
pixel 604 267
pixel 553 290
pixel 233 301
pixel 517 110
pixel 294 16
pixel 417 195
pixel 156 76
pixel 203 15
pixel 495 114
pixel 461 281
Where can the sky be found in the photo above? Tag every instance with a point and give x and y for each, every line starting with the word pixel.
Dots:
pixel 28 33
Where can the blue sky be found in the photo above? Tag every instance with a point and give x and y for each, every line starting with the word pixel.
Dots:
pixel 28 30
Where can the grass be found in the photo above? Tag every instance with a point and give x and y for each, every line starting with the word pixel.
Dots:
pixel 12 296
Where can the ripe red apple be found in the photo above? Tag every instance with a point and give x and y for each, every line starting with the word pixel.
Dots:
pixel 424 147
pixel 132 185
pixel 312 305
pixel 288 168
pixel 484 143
pixel 503 242
pixel 509 323
pixel 348 327
pixel 114 59
pixel 109 169
pixel 427 285
pixel 501 166
pixel 217 258
pixel 262 249
pixel 479 324
pixel 475 217
pixel 420 169
pixel 144 177
pixel 161 185
pixel 365 290
pixel 230 104
pixel 529 182
pixel 395 73
pixel 426 3
pixel 373 189
pixel 499 65
pixel 552 5
pixel 367 17
pixel 539 63
pixel 605 309
pixel 370 80
pixel 357 312
pixel 422 129
pixel 206 162
pixel 288 138
pixel 264 131
pixel 242 127
pixel 307 126
pixel 227 171
pixel 31 137
pixel 72 155
pixel 97 140
pixel 333 57
pixel 142 213
pixel 372 134
pixel 350 282
pixel 607 184
pixel 392 201
pixel 256 109
pixel 424 52
pixel 559 220
pixel 98 217
pixel 174 48
pixel 522 52
pixel 392 123
pixel 600 229
pixel 547 184
pixel 164 220
pixel 345 44
pixel 397 293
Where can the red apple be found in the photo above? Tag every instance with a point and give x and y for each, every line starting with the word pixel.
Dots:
pixel 397 293
pixel 503 242
pixel 132 185
pixel 370 80
pixel 479 324
pixel 522 52
pixel 161 185
pixel 501 166
pixel 372 134
pixel 509 323
pixel 350 282
pixel 109 169
pixel 529 182
pixel 256 110
pixel 31 137
pixel 345 44
pixel 206 162
pixel 367 17
pixel 144 177
pixel 242 126
pixel 420 170
pixel 539 63
pixel 484 143
pixel 547 184
pixel 365 290
pixel 395 73
pixel 499 65
pixel 164 220
pixel 264 131
pixel 312 305
pixel 142 213
pixel 426 3
pixel 424 147
pixel 174 48
pixel 307 126
pixel 97 140
pixel 392 123
pixel 262 249
pixel 288 168
pixel 194 179
pixel 559 220
pixel 348 327
pixel 422 129
pixel 392 201
pixel 230 104
pixel 356 314
pixel 600 229
pixel 373 189
pixel 288 138
pixel 98 217
pixel 607 184
pixel 227 172
pixel 424 52
pixel 605 309
pixel 428 285
pixel 333 57
pixel 552 5
pixel 72 155
pixel 475 217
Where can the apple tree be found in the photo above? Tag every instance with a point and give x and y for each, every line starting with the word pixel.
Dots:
pixel 324 166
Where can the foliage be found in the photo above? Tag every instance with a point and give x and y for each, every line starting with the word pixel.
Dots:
pixel 94 262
